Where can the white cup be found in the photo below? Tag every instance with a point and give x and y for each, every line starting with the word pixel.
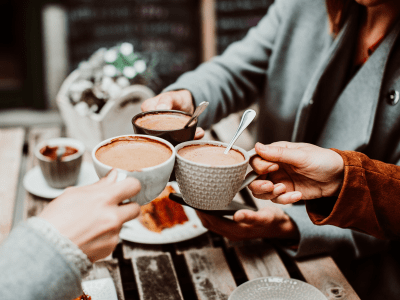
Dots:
pixel 152 179
pixel 211 187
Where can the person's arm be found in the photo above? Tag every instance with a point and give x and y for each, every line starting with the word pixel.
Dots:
pixel 369 200
pixel 233 80
pixel 37 262
pixel 46 257
pixel 350 190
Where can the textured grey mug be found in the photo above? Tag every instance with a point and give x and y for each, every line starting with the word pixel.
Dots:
pixel 61 173
pixel 211 187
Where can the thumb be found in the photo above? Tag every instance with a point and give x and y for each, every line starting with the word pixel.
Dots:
pixel 270 153
pixel 165 102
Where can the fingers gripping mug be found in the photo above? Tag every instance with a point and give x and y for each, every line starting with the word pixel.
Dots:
pixel 206 185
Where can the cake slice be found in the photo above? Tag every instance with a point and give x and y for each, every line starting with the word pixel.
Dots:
pixel 162 212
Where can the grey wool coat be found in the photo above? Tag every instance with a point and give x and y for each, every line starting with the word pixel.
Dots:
pixel 308 93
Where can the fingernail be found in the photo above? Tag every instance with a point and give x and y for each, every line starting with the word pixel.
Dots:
pixel 162 106
pixel 296 196
pixel 273 168
pixel 279 188
pixel 239 217
pixel 262 146
pixel 112 175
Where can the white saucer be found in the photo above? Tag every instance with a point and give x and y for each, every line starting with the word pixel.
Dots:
pixel 35 183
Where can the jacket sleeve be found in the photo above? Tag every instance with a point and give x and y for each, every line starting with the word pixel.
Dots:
pixel 232 81
pixel 35 263
pixel 369 200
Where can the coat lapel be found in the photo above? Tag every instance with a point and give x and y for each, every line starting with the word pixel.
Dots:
pixel 350 123
pixel 326 83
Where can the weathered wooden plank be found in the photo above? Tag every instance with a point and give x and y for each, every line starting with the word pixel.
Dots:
pixel 33 204
pixel 106 269
pixel 323 273
pixel 11 144
pixel 260 261
pixel 210 273
pixel 156 277
pixel 202 241
pixel 131 250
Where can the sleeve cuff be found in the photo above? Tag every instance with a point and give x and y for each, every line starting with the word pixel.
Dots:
pixel 314 239
pixel 63 245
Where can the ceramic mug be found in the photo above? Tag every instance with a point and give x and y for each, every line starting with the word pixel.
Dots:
pixel 64 172
pixel 153 180
pixel 174 136
pixel 211 187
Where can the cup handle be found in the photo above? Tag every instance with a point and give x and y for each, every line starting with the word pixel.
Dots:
pixel 121 176
pixel 251 176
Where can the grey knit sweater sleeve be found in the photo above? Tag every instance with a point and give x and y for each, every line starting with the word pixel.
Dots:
pixel 37 262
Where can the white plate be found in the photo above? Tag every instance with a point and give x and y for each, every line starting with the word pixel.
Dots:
pixel 276 288
pixel 134 231
pixel 35 183
pixel 100 289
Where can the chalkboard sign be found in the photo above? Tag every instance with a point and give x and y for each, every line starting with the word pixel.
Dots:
pixel 165 31
pixel 236 17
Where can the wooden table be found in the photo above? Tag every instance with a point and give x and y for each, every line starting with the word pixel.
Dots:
pixel 206 267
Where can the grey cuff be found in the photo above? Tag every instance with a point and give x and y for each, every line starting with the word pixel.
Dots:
pixel 64 246
pixel 315 239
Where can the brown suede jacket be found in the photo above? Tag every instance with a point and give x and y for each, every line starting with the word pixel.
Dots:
pixel 369 200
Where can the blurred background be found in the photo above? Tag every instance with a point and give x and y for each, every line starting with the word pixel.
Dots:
pixel 43 41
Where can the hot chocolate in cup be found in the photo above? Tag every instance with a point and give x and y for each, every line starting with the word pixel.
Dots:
pixel 148 159
pixel 166 124
pixel 209 179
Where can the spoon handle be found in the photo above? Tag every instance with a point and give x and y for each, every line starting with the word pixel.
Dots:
pixel 247 118
pixel 202 106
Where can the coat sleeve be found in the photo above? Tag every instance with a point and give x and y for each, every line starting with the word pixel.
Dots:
pixel 232 81
pixel 369 200
pixel 36 265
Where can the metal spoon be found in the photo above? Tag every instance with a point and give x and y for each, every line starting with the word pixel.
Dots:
pixel 247 118
pixel 202 106
pixel 60 152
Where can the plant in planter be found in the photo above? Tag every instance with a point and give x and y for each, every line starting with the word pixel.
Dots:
pixel 98 100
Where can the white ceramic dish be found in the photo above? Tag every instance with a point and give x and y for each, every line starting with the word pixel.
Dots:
pixel 134 231
pixel 276 288
pixel 35 183
pixel 100 289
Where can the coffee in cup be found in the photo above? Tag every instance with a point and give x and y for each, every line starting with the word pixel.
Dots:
pixel 207 180
pixel 133 153
pixel 212 155
pixel 146 158
pixel 166 124
pixel 63 171
pixel 163 121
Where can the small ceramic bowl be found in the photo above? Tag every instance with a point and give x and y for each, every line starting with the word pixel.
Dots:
pixel 64 172
pixel 175 137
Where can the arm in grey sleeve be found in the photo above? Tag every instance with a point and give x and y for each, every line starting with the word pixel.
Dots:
pixel 37 262
pixel 344 245
pixel 232 81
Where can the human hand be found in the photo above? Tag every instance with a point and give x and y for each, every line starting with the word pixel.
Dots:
pixel 177 100
pixel 268 222
pixel 91 216
pixel 296 171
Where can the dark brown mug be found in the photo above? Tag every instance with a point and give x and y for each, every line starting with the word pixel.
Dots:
pixel 174 136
